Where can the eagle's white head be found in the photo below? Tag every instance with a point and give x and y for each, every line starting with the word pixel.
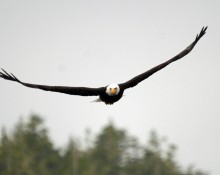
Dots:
pixel 112 89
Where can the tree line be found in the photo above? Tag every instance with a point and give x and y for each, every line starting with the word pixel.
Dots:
pixel 28 150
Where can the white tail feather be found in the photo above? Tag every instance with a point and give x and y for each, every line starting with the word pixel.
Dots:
pixel 97 100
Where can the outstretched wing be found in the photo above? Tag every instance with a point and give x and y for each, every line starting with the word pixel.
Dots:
pixel 134 81
pixel 83 91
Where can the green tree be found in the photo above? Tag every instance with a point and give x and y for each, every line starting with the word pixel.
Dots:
pixel 107 152
pixel 70 159
pixel 28 150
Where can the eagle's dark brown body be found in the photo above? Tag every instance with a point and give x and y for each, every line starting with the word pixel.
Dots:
pixel 109 100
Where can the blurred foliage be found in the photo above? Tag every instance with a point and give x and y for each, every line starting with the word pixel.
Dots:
pixel 28 150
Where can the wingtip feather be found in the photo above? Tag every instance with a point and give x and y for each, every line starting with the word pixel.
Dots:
pixel 202 32
pixel 8 76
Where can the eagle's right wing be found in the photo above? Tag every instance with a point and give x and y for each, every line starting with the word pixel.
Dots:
pixel 82 91
pixel 134 81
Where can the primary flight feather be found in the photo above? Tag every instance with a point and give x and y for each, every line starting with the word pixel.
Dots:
pixel 113 92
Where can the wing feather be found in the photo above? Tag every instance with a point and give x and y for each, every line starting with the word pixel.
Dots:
pixel 134 81
pixel 82 91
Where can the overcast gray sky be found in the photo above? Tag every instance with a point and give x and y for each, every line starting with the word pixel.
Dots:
pixel 97 42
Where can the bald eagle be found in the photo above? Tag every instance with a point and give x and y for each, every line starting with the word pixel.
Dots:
pixel 112 92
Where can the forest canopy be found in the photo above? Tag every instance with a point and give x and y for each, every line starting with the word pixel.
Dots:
pixel 28 150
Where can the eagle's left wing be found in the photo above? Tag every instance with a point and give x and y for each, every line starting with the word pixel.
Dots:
pixel 134 81
pixel 83 91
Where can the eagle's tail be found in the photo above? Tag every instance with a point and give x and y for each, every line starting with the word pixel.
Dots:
pixel 97 100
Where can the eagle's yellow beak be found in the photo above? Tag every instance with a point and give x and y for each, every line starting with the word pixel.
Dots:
pixel 113 91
